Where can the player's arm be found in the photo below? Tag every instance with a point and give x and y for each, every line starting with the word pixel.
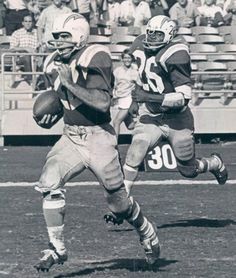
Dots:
pixel 171 100
pixel 98 99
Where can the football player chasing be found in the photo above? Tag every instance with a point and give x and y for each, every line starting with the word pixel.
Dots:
pixel 81 75
pixel 165 71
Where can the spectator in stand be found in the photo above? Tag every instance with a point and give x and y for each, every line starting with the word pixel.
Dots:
pixel 102 8
pixel 33 7
pixel 219 3
pixel 158 7
pixel 2 14
pixel 230 8
pixel 80 6
pixel 211 14
pixel 25 40
pixel 113 13
pixel 36 7
pixel 15 12
pixel 185 14
pixel 134 13
pixel 45 22
pixel 126 77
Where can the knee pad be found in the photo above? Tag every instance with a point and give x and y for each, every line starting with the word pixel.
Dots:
pixel 137 150
pixel 188 169
pixel 58 194
pixel 184 148
pixel 54 208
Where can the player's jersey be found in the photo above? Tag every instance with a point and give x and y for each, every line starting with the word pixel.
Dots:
pixel 162 71
pixel 91 68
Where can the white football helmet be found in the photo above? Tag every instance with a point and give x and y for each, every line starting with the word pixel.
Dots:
pixel 161 24
pixel 75 25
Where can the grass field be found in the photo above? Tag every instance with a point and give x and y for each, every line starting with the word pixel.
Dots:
pixel 196 223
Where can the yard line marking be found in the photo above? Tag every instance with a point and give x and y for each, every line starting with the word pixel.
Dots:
pixel 144 182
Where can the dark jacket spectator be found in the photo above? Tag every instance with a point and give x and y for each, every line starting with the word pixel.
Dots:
pixel 158 7
pixel 2 14
pixel 15 12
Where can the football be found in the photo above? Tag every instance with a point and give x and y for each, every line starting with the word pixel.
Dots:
pixel 46 103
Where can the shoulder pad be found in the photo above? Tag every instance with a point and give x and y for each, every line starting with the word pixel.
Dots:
pixel 174 53
pixel 95 55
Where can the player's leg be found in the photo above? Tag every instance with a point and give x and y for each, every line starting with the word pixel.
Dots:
pixel 125 208
pixel 183 145
pixel 145 137
pixel 62 163
pixel 109 173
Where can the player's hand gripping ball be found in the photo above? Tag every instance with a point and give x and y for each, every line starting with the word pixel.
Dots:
pixel 47 109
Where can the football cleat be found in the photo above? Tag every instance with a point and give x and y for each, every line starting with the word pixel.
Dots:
pixel 50 258
pixel 112 218
pixel 221 173
pixel 151 247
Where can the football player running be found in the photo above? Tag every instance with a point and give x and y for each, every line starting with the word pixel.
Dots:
pixel 81 75
pixel 165 71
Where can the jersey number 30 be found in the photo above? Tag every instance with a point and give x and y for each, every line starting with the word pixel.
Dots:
pixel 161 158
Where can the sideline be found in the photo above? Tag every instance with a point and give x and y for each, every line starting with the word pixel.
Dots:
pixel 144 182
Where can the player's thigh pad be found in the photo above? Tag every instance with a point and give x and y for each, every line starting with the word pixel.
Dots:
pixel 63 162
pixel 144 138
pixel 104 159
pixel 118 202
pixel 182 143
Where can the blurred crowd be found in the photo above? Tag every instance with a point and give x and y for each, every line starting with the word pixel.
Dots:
pixel 186 13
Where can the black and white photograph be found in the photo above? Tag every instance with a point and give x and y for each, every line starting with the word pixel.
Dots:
pixel 117 138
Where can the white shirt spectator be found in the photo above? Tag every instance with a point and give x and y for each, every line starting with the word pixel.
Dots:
pixel 83 6
pixel 125 80
pixel 210 11
pixel 23 38
pixel 15 4
pixel 113 13
pixel 139 14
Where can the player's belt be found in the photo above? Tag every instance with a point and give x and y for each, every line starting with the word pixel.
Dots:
pixel 81 130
